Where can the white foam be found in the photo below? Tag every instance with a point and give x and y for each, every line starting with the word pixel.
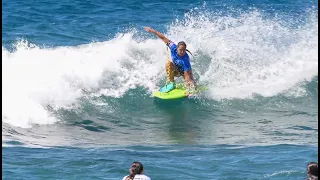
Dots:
pixel 34 78
pixel 250 54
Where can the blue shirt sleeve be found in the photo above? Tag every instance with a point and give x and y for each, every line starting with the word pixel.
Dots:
pixel 172 46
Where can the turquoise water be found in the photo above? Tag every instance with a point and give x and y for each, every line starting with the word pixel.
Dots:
pixel 161 162
pixel 78 78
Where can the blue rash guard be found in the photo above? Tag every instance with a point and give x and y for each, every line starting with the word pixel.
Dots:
pixel 181 62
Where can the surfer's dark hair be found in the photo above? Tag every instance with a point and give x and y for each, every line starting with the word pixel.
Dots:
pixel 182 43
pixel 312 171
pixel 136 168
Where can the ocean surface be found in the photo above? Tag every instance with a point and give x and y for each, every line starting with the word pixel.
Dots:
pixel 77 80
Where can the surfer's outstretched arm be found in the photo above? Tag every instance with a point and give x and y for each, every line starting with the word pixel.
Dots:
pixel 161 36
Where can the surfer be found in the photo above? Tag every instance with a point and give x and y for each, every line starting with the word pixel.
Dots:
pixel 178 64
pixel 136 172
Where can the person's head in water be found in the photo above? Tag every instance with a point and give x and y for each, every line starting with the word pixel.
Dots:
pixel 136 168
pixel 181 48
pixel 312 171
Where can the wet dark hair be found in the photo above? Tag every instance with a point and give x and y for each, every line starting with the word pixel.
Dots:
pixel 136 168
pixel 312 171
pixel 182 43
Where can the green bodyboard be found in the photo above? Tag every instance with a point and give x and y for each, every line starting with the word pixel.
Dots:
pixel 179 92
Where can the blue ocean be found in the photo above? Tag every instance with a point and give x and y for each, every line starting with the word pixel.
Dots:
pixel 78 78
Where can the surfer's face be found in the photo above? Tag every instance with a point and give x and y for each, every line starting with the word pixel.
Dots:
pixel 181 50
